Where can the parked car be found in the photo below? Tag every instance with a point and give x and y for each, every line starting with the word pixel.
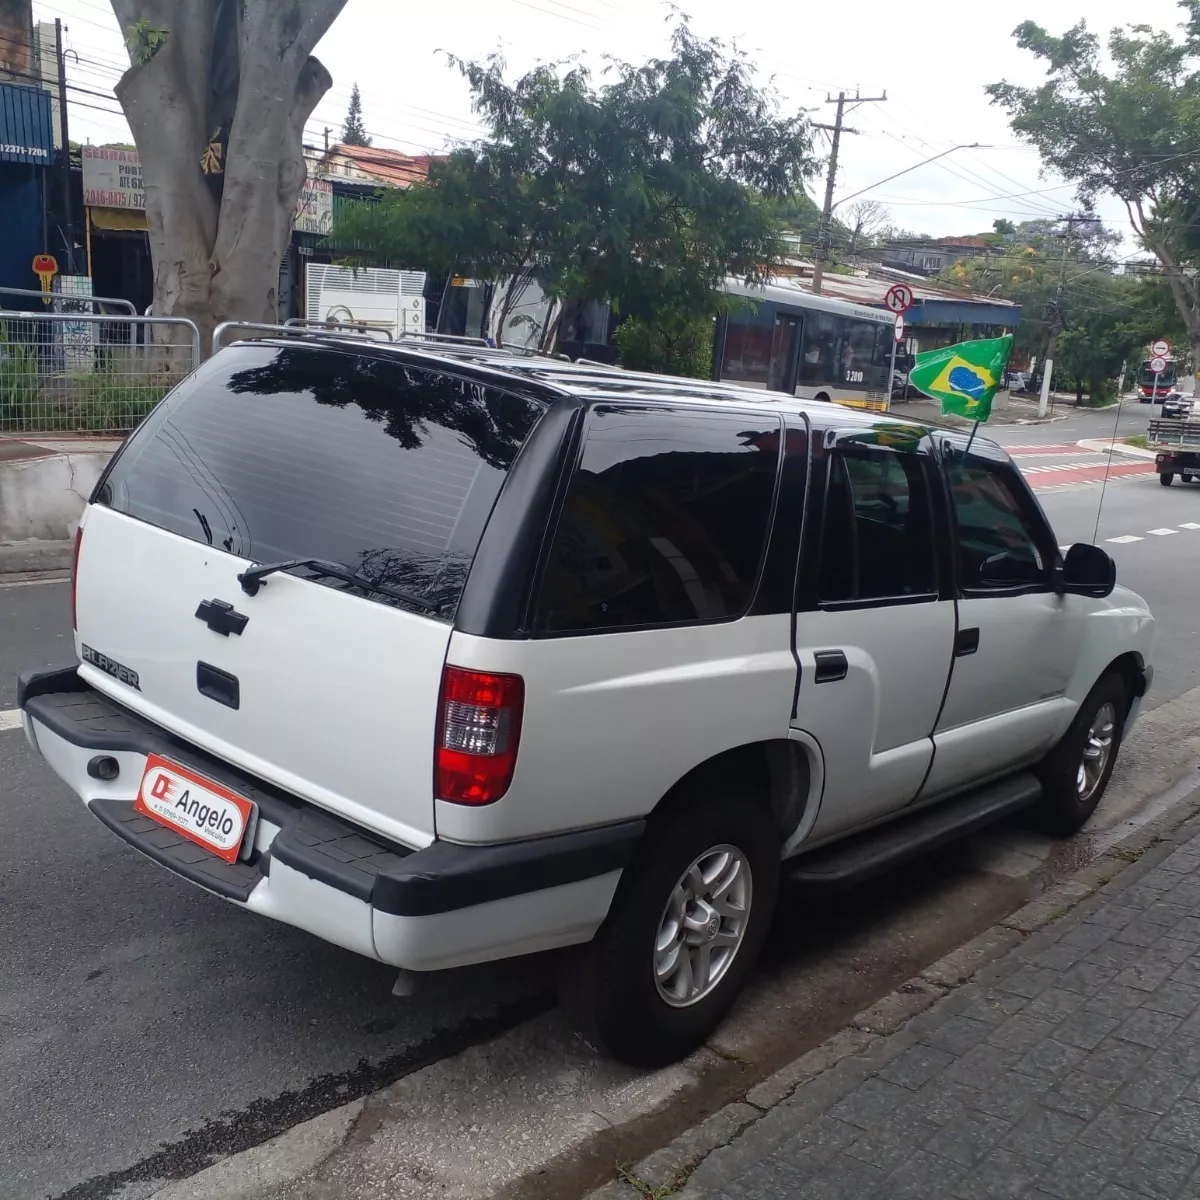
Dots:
pixel 446 656
pixel 1020 381
pixel 1177 406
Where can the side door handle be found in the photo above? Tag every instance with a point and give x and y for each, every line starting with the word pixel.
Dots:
pixel 966 642
pixel 831 666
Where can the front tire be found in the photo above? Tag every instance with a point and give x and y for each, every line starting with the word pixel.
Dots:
pixel 1166 479
pixel 1075 774
pixel 686 927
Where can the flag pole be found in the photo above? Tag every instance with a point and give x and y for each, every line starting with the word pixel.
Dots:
pixel 974 431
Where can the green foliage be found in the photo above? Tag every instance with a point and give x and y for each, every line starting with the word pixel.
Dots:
pixel 1123 117
pixel 112 398
pixel 1107 319
pixel 647 189
pixel 143 41
pixel 354 132
pixel 18 381
pixel 668 344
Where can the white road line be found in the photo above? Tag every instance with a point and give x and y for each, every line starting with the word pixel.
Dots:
pixel 1125 539
pixel 1190 525
pixel 10 719
pixel 1162 532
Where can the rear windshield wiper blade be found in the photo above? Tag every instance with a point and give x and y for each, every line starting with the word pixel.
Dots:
pixel 255 577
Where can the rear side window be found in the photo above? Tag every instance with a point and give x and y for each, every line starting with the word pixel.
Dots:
pixel 276 453
pixel 877 541
pixel 665 521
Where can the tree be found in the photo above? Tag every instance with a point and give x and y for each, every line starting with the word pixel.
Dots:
pixel 862 222
pixel 217 95
pixel 1129 126
pixel 647 190
pixel 354 132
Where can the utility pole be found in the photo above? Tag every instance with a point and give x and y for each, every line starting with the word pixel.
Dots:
pixel 821 250
pixel 65 137
pixel 1056 321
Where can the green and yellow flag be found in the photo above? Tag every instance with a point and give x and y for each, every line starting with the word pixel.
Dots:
pixel 964 377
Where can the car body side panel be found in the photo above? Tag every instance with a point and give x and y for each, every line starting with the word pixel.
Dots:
pixel 613 721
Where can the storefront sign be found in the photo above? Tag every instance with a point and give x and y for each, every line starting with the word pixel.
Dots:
pixel 314 210
pixel 26 129
pixel 112 178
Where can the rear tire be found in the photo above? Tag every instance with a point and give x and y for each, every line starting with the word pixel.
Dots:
pixel 1076 772
pixel 1166 479
pixel 675 950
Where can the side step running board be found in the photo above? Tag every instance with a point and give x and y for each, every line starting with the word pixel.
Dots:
pixel 867 854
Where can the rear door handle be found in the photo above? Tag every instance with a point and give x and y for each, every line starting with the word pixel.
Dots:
pixel 967 642
pixel 218 685
pixel 831 666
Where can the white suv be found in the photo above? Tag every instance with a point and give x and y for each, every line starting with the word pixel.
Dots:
pixel 446 656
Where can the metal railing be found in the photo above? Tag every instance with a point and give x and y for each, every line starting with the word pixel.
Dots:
pixel 107 301
pixel 88 373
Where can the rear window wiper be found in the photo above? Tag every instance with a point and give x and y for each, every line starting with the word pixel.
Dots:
pixel 255 577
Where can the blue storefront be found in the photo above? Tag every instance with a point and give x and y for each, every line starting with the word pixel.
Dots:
pixel 26 155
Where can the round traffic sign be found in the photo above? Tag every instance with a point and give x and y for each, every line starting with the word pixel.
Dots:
pixel 1160 349
pixel 899 329
pixel 899 297
pixel 1158 364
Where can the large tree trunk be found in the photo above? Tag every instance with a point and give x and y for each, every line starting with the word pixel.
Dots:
pixel 241 71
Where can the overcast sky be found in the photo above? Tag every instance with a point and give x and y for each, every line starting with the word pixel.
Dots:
pixel 932 60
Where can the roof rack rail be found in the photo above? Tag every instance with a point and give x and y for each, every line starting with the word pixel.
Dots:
pixel 220 338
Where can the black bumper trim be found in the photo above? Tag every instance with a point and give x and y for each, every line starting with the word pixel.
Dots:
pixel 443 877
pixel 234 881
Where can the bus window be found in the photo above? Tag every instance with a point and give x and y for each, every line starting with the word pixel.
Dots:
pixel 818 350
pixel 748 342
pixel 865 350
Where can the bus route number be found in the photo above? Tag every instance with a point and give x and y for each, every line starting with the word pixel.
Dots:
pixel 854 376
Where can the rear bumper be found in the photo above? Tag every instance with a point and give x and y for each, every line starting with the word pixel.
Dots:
pixel 443 906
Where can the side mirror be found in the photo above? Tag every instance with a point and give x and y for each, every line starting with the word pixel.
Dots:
pixel 1088 571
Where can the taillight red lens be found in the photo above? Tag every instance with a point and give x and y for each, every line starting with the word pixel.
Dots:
pixel 479 729
pixel 75 575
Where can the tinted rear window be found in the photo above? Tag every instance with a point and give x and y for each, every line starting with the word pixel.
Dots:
pixel 275 453
pixel 665 521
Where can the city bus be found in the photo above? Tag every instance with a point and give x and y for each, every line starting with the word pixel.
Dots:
pixel 784 339
pixel 1147 392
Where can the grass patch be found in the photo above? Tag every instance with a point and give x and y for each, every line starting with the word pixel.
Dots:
pixel 653 1193
pixel 1138 439
pixel 1129 856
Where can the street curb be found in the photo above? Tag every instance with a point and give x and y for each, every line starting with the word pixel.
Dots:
pixel 1108 446
pixel 879 1032
pixel 19 558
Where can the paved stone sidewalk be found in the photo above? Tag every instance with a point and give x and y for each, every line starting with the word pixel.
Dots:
pixel 1070 1069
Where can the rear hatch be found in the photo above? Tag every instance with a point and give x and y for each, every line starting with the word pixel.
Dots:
pixel 384 471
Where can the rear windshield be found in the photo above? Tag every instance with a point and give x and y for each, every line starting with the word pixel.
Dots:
pixel 274 453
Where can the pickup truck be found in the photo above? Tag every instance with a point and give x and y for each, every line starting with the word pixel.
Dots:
pixel 1176 446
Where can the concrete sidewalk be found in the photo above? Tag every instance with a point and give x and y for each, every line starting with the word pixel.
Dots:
pixel 1068 1069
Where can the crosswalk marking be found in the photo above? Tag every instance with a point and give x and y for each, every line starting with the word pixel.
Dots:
pixel 11 719
pixel 1162 532
pixel 1125 539
pixel 1190 525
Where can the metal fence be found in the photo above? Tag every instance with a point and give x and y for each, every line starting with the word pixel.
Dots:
pixel 88 373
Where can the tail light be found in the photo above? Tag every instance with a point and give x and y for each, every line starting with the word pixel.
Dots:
pixel 479 728
pixel 75 575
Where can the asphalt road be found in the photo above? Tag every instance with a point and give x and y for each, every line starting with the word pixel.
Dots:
pixel 145 1025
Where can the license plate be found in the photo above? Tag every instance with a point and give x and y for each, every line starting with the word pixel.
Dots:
pixel 1190 472
pixel 198 809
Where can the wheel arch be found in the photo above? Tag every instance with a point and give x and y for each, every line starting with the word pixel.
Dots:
pixel 777 770
pixel 1131 666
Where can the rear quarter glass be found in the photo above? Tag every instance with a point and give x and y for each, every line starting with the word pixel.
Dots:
pixel 271 453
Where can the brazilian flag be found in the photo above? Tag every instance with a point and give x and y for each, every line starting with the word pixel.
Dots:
pixel 964 377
